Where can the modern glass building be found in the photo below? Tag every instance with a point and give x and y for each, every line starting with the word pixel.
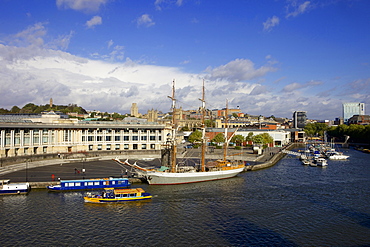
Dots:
pixel 350 109
pixel 299 119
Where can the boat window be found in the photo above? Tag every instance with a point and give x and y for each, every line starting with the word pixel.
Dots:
pixel 70 184
pixel 132 194
pixel 124 195
pixel 90 183
pixel 113 182
pixel 96 183
pixel 78 184
pixel 118 195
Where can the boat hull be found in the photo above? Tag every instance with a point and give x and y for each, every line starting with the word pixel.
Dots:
pixel 15 189
pixel 167 178
pixel 114 200
pixel 89 184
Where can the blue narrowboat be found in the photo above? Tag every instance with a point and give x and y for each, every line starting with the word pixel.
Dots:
pixel 90 184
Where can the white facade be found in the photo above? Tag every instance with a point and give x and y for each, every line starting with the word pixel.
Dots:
pixel 18 139
pixel 350 109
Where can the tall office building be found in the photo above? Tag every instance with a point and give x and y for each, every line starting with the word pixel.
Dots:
pixel 350 109
pixel 299 119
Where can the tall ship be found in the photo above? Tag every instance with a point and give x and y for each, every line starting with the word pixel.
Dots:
pixel 180 174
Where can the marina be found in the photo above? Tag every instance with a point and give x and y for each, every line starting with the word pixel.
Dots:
pixel 285 205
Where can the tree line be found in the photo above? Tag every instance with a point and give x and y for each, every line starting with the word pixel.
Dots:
pixel 239 140
pixel 356 133
pixel 31 108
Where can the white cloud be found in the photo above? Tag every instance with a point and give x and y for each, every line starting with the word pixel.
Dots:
pixel 33 35
pixel 81 5
pixel 158 3
pixel 297 7
pixel 295 85
pixel 145 21
pixel 96 20
pixel 110 43
pixel 270 23
pixel 238 70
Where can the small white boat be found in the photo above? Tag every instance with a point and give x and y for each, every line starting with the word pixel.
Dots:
pixel 337 156
pixel 7 188
pixel 321 162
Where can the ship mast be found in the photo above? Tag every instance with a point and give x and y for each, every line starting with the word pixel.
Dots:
pixel 203 131
pixel 226 123
pixel 173 129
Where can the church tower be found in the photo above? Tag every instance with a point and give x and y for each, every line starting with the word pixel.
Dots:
pixel 134 110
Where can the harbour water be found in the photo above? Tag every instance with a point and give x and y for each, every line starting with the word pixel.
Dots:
pixel 286 205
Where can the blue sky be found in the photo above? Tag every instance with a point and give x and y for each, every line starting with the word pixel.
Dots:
pixel 269 57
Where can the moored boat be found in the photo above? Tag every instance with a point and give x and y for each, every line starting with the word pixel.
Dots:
pixel 90 184
pixel 321 162
pixel 7 188
pixel 110 195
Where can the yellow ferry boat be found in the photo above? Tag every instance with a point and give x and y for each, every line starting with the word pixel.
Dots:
pixel 118 195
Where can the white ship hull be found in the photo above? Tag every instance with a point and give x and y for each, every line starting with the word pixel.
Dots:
pixel 165 178
pixel 338 157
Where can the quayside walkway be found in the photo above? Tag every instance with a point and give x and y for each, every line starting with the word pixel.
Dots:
pixel 45 172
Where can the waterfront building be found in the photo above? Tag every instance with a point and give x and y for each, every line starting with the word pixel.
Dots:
pixel 280 137
pixel 359 119
pixel 248 122
pixel 299 119
pixel 25 137
pixel 350 109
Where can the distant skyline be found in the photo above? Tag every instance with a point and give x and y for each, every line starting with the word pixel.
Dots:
pixel 269 57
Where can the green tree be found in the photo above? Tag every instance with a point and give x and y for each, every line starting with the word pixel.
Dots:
pixel 263 139
pixel 249 137
pixel 209 123
pixel 267 139
pixel 315 129
pixel 15 109
pixel 195 137
pixel 238 139
pixel 257 139
pixel 218 138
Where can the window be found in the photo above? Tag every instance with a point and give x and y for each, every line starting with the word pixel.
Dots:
pixel 143 138
pixel 90 183
pixel 152 138
pixel 117 138
pixel 134 146
pixel 135 138
pixel 126 138
pixel 96 183
pixel 125 146
pixel 143 146
pixel 108 138
pixel 78 184
pixel 117 146
pixel 152 146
